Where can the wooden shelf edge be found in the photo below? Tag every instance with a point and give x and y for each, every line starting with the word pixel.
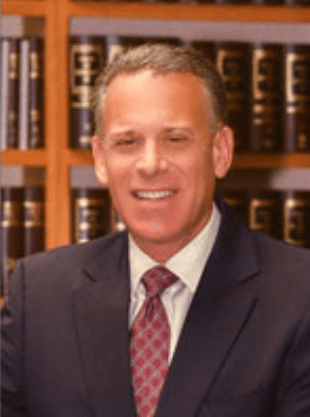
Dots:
pixel 32 157
pixel 241 13
pixel 270 161
pixel 77 157
pixel 25 7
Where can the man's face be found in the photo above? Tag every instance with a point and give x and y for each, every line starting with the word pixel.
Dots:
pixel 160 157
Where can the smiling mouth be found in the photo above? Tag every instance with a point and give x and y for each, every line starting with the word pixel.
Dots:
pixel 154 195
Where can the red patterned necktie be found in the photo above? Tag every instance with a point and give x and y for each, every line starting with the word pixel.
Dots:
pixel 150 342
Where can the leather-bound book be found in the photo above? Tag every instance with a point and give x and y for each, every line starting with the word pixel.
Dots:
pixel 91 214
pixel 265 211
pixel 266 98
pixel 297 218
pixel 9 92
pixel 234 64
pixel 33 206
pixel 12 232
pixel 31 103
pixel 87 58
pixel 297 97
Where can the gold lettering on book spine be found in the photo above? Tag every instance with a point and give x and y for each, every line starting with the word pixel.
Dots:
pixel 295 212
pixel 261 214
pixel 34 66
pixel 33 212
pixel 11 214
pixel 297 66
pixel 230 64
pixel 85 64
pixel 13 66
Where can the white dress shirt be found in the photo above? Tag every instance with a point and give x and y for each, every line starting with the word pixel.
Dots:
pixel 187 264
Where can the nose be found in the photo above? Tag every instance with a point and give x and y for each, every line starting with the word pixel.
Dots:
pixel 151 161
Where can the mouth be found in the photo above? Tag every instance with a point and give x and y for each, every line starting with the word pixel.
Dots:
pixel 153 194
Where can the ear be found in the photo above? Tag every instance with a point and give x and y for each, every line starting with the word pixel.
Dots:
pixel 223 148
pixel 100 160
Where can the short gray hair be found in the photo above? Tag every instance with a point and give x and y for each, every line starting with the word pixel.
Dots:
pixel 162 59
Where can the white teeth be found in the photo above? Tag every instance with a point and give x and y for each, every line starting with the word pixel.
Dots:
pixel 154 194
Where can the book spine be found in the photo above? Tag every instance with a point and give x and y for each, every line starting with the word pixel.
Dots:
pixel 296 218
pixel 233 63
pixel 5 46
pixel 33 208
pixel 265 212
pixel 87 57
pixel 11 230
pixel 10 80
pixel 91 214
pixel 266 93
pixel 297 98
pixel 36 105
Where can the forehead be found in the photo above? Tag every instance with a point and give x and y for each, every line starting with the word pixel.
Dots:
pixel 145 90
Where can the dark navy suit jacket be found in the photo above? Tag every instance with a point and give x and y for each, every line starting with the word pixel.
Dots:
pixel 244 350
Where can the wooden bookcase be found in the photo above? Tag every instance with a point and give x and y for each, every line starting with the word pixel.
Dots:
pixel 57 158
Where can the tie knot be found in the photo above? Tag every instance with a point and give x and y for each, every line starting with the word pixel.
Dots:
pixel 157 279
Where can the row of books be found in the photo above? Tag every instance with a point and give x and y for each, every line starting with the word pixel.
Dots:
pixel 22 225
pixel 268 88
pixel 282 214
pixel 22 93
pixel 259 2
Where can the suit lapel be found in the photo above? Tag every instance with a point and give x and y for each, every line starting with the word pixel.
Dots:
pixel 221 306
pixel 101 303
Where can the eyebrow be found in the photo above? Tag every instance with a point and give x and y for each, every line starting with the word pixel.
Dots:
pixel 167 129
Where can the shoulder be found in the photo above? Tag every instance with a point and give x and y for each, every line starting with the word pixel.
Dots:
pixel 284 273
pixel 64 261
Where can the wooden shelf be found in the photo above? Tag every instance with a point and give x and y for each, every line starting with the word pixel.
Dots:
pixel 271 161
pixel 30 8
pixel 208 12
pixel 77 157
pixel 32 157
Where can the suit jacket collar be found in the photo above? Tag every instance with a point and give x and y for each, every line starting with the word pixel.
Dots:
pixel 222 304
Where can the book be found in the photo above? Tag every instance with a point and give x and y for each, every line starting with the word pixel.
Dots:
pixel 266 92
pixel 265 211
pixel 12 232
pixel 296 218
pixel 91 214
pixel 9 92
pixel 233 61
pixel 87 57
pixel 31 104
pixel 33 217
pixel 297 97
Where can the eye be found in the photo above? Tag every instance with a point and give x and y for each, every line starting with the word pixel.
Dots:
pixel 177 139
pixel 125 141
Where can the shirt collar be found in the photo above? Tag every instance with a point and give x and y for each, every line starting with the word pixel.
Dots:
pixel 187 264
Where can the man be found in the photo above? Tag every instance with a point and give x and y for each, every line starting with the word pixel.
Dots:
pixel 233 324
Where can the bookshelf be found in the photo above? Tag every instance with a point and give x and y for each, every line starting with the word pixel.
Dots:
pixel 57 158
